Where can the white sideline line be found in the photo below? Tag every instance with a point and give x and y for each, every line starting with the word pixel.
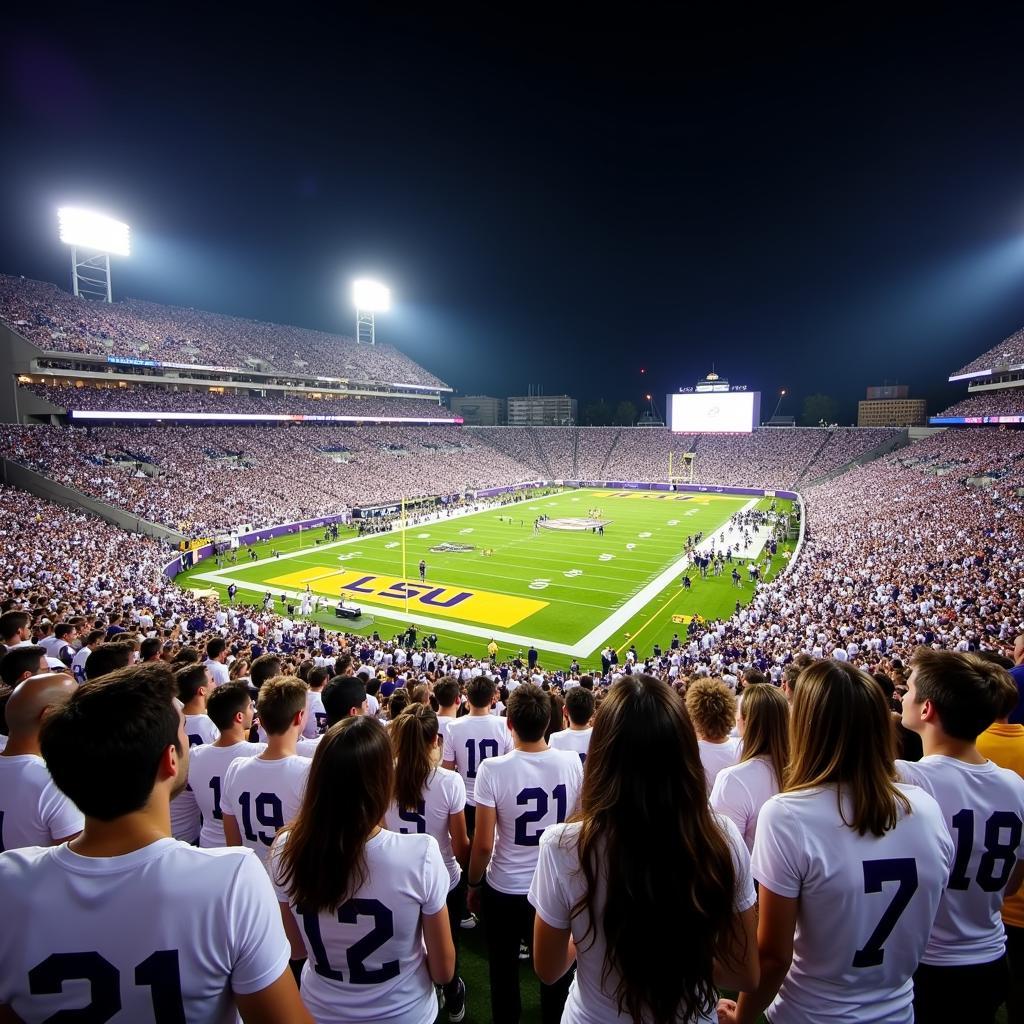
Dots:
pixel 580 649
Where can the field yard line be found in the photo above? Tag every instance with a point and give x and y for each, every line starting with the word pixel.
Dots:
pixel 620 617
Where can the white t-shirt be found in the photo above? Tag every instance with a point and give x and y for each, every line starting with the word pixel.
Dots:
pixel 156 922
pixel 558 885
pixel 716 756
pixel 185 817
pixel 529 792
pixel 983 808
pixel 316 716
pixel 206 767
pixel 469 741
pixel 351 974
pixel 850 964
pixel 443 795
pixel 200 729
pixel 741 790
pixel 262 796
pixel 78 664
pixel 33 811
pixel 576 740
pixel 218 672
pixel 307 748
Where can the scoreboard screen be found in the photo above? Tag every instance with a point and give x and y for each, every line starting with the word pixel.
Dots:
pixel 714 412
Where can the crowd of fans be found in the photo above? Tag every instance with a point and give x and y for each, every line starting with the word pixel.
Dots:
pixel 1009 352
pixel 203 480
pixel 990 403
pixel 764 458
pixel 55 320
pixel 139 398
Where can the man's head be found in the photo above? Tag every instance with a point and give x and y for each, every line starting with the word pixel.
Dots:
pixel 193 681
pixel 94 638
pixel 480 691
pixel 217 649
pixel 230 705
pixel 343 697
pixel 15 628
pixel 21 662
pixel 446 691
pixel 579 705
pixel 263 669
pixel 116 740
pixel 712 709
pixel 107 658
pixel 529 712
pixel 959 694
pixel 33 699
pixel 282 704
pixel 149 649
pixel 1018 649
pixel 317 677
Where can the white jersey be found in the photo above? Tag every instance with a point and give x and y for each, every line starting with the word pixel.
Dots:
pixel 138 935
pixel 443 795
pixel 185 817
pixel 558 885
pixel 983 808
pixel 78 664
pixel 307 748
pixel 469 741
pixel 576 740
pixel 867 904
pixel 262 796
pixel 741 790
pixel 366 959
pixel 529 792
pixel 33 811
pixel 200 729
pixel 716 756
pixel 316 716
pixel 218 672
pixel 206 767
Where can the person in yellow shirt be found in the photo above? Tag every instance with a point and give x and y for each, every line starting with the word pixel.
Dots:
pixel 492 649
pixel 1003 743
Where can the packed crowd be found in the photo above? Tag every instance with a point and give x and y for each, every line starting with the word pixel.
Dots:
pixel 990 403
pixel 55 320
pixel 764 458
pixel 1009 352
pixel 137 398
pixel 202 480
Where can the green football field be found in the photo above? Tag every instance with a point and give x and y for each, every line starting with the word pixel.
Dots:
pixel 567 590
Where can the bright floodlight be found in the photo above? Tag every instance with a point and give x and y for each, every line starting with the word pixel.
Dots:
pixel 371 296
pixel 88 230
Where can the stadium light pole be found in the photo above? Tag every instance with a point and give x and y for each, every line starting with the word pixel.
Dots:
pixel 778 404
pixel 100 237
pixel 369 297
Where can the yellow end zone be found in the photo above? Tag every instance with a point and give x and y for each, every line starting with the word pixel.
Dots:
pixel 479 606
pixel 691 497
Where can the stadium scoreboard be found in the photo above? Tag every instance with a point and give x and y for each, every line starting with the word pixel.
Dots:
pixel 714 412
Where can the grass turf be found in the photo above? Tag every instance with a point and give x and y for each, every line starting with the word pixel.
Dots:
pixel 541 585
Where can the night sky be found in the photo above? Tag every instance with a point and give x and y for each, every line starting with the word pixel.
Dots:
pixel 556 200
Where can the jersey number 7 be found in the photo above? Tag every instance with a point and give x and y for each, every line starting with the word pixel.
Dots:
pixel 898 869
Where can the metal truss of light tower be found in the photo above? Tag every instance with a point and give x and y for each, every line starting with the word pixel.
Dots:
pixel 369 297
pixel 98 237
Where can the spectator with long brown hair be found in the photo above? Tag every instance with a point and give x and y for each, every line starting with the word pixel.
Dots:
pixel 645 844
pixel 851 865
pixel 741 790
pixel 334 867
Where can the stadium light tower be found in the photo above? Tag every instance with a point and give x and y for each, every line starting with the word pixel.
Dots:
pixel 100 237
pixel 370 297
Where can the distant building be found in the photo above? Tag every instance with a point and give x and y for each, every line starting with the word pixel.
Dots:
pixel 480 410
pixel 890 405
pixel 541 411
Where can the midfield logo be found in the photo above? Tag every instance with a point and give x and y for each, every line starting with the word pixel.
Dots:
pixel 449 546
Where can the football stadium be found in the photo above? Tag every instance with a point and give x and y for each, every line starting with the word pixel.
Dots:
pixel 341 681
